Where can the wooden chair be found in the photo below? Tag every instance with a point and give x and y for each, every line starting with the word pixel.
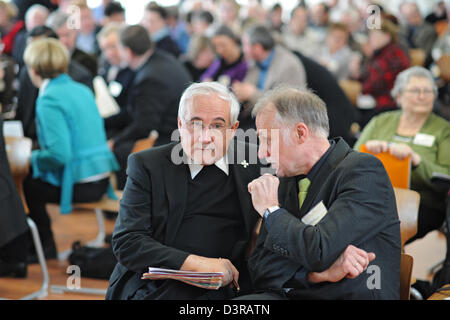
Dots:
pixel 145 143
pixel 399 171
pixel 352 89
pixel 18 150
pixel 408 211
pixel 444 66
pixel 417 57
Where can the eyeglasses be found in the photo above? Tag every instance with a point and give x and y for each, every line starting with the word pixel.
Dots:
pixel 417 91
pixel 197 125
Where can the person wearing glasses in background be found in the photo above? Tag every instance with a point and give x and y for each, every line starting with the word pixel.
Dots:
pixel 417 132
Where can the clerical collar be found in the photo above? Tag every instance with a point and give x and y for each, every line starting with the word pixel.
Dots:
pixel 196 168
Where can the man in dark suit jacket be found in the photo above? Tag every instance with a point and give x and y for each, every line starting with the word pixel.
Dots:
pixel 155 22
pixel 153 99
pixel 185 205
pixel 13 226
pixel 350 192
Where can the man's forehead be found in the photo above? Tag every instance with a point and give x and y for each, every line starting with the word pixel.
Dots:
pixel 210 107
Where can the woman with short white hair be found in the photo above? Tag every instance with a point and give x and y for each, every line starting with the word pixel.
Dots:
pixel 417 132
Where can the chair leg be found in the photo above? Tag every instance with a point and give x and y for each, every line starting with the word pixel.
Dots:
pixel 43 291
pixel 98 242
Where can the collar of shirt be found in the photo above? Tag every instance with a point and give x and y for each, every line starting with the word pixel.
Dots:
pixel 158 35
pixel 313 172
pixel 196 168
pixel 265 64
pixel 43 86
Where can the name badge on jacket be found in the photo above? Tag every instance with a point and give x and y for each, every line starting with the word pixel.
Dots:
pixel 423 139
pixel 316 214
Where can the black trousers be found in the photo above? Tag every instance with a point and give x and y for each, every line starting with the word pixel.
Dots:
pixel 429 219
pixel 38 193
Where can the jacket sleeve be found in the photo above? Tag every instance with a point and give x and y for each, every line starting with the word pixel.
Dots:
pixel 132 242
pixel 364 205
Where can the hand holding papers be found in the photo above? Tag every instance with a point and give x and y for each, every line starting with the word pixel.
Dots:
pixel 206 280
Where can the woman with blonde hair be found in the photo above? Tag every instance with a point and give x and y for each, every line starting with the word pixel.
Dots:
pixel 74 162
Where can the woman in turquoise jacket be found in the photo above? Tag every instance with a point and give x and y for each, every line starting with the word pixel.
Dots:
pixel 74 162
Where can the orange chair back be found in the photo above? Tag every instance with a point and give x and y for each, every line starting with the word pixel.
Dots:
pixel 399 171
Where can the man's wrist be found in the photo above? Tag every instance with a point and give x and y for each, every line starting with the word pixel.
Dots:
pixel 269 210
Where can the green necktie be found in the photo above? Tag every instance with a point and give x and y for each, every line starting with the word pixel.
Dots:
pixel 303 186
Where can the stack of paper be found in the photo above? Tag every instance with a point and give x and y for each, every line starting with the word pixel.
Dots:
pixel 207 280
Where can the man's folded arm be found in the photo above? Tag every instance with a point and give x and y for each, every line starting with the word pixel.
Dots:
pixel 363 206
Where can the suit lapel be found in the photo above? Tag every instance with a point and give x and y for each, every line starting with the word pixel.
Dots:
pixel 337 154
pixel 175 176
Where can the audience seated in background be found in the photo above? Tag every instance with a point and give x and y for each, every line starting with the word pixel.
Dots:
pixel 199 56
pixel 28 93
pixel 228 14
pixel 13 226
pixel 10 26
pixel 153 99
pixel 230 65
pixel 114 12
pixel 154 21
pixel 74 162
pixel 269 65
pixel 336 55
pixel 58 22
pixel 386 59
pixel 415 131
pixel 35 16
pixel 88 29
pixel 319 15
pixel 417 32
pixel 341 112
pixel 327 175
pixel 202 23
pixel 297 36
pixel 118 76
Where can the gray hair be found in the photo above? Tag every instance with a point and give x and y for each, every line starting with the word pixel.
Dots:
pixel 260 34
pixel 56 20
pixel 109 28
pixel 296 105
pixel 30 13
pixel 414 72
pixel 209 88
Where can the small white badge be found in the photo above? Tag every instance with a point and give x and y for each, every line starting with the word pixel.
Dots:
pixel 316 214
pixel 423 139
pixel 115 88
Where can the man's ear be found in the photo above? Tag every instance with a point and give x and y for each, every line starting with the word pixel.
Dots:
pixel 301 132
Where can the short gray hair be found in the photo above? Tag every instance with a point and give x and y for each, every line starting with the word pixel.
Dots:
pixel 296 105
pixel 56 20
pixel 414 72
pixel 209 88
pixel 260 34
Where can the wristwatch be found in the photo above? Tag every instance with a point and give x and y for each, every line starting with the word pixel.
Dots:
pixel 270 210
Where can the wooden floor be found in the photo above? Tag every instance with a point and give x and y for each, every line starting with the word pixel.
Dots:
pixel 80 225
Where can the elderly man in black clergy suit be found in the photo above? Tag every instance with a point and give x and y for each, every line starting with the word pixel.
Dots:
pixel 352 198
pixel 153 97
pixel 186 206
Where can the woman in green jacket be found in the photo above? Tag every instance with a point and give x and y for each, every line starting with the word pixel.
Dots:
pixel 417 132
pixel 74 162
